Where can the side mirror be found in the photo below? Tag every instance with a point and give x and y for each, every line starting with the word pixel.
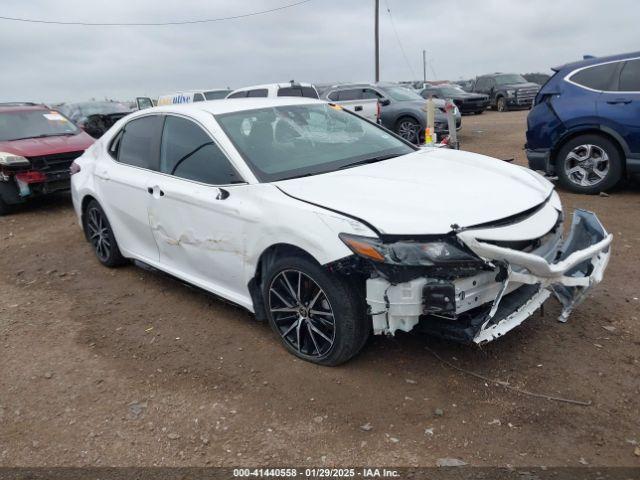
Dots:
pixel 384 102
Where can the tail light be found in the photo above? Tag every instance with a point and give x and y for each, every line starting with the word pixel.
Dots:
pixel 32 176
pixel 74 168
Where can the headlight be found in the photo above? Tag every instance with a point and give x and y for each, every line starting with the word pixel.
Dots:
pixel 11 160
pixel 408 252
pixel 511 93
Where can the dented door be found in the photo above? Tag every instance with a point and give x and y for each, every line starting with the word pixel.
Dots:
pixel 199 232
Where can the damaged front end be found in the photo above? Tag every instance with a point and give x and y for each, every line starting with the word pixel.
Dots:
pixel 476 284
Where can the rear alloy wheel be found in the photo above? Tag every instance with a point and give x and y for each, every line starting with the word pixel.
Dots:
pixel 409 129
pixel 589 164
pixel 501 104
pixel 317 316
pixel 98 231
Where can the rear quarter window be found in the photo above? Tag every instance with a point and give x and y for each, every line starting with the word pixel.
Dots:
pixel 598 77
pixel 308 92
pixel 630 77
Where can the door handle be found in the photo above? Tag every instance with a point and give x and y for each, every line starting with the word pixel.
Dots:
pixel 151 190
pixel 358 108
pixel 616 101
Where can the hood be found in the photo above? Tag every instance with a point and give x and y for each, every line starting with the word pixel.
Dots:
pixel 469 96
pixel 516 86
pixel 425 192
pixel 35 147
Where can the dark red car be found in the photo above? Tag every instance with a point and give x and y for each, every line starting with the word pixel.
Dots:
pixel 37 147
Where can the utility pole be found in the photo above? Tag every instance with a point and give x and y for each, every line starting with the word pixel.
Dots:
pixel 424 66
pixel 377 39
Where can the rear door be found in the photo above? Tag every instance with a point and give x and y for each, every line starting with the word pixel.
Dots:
pixel 196 210
pixel 122 184
pixel 620 108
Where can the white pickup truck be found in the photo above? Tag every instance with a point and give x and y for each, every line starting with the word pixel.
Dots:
pixel 353 100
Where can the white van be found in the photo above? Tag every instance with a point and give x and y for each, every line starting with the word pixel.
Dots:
pixel 184 97
pixel 273 90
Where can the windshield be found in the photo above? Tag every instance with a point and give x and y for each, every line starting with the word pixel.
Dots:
pixel 510 78
pixel 34 123
pixel 292 141
pixel 402 94
pixel 216 94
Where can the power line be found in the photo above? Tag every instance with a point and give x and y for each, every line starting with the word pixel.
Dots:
pixel 406 59
pixel 186 22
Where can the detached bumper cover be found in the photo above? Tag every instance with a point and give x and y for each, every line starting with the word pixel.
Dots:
pixel 579 266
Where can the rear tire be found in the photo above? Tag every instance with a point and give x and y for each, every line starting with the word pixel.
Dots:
pixel 589 164
pixel 479 112
pixel 319 317
pixel 100 234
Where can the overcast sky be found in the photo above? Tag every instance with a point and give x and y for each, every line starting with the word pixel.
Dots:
pixel 320 41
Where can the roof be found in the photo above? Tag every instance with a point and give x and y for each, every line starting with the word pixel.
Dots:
pixel 23 108
pixel 596 60
pixel 274 85
pixel 218 107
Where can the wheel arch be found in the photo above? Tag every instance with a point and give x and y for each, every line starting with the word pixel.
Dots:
pixel 268 256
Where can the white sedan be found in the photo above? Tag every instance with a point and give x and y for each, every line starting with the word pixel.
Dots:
pixel 331 227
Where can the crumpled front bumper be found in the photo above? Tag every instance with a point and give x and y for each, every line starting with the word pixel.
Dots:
pixel 579 266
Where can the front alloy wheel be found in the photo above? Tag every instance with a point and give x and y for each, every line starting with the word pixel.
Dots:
pixel 408 129
pixel 318 316
pixel 302 313
pixel 501 104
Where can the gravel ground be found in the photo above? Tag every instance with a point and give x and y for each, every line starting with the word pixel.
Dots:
pixel 128 367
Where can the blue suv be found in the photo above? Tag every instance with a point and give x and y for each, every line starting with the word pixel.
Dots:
pixel 584 126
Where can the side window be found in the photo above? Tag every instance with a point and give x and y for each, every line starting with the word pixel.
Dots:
pixel 187 151
pixel 198 97
pixel 369 93
pixel 238 95
pixel 139 143
pixel 630 77
pixel 353 94
pixel 260 92
pixel 481 84
pixel 334 96
pixel 600 77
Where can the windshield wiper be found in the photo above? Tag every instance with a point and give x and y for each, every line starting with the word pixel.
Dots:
pixel 45 135
pixel 367 161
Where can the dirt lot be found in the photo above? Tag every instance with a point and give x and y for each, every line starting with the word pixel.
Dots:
pixel 129 367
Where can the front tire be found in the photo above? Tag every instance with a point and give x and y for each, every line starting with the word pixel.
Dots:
pixel 409 129
pixel 318 317
pixel 501 104
pixel 589 164
pixel 100 234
